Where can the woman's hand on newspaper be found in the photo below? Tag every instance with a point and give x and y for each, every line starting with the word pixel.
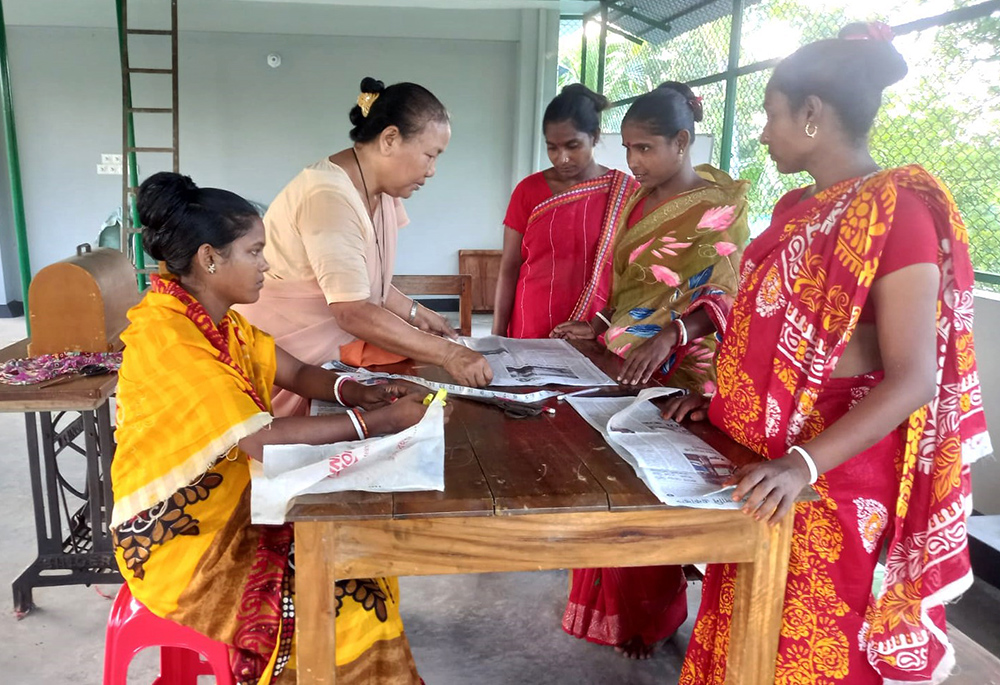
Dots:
pixel 431 322
pixel 574 330
pixel 643 361
pixel 770 488
pixel 400 415
pixel 374 396
pixel 693 406
pixel 467 367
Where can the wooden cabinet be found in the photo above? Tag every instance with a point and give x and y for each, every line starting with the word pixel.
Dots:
pixel 484 267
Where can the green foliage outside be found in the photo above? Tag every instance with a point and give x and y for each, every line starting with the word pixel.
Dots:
pixel 945 115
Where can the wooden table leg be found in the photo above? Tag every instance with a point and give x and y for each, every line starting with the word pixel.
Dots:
pixel 315 605
pixel 760 595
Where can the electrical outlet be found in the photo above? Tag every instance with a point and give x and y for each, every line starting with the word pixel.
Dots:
pixel 111 159
pixel 109 169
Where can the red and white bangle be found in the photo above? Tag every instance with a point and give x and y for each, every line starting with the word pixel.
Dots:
pixel 336 389
pixel 355 419
pixel 356 413
pixel 682 338
pixel 807 458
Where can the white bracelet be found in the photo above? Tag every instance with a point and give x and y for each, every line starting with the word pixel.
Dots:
pixel 357 426
pixel 336 389
pixel 600 315
pixel 683 340
pixel 413 312
pixel 813 472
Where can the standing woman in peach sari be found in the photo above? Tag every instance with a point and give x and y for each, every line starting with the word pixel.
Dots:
pixel 849 364
pixel 331 244
pixel 561 225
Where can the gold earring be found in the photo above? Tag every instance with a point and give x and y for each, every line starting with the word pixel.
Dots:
pixel 211 268
pixel 811 132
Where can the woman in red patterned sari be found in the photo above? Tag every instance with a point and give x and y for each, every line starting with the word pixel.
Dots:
pixel 560 225
pixel 849 363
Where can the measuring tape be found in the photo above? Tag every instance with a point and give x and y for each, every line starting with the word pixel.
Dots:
pixel 459 390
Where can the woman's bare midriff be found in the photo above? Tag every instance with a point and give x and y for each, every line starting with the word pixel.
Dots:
pixel 861 355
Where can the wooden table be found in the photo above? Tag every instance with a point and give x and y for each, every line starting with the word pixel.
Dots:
pixel 71 518
pixel 527 495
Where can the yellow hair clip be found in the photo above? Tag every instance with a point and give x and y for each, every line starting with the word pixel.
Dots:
pixel 365 102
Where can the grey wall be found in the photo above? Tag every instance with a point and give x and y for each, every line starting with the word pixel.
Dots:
pixel 986 472
pixel 250 128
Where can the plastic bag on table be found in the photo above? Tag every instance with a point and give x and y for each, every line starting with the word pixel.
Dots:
pixel 410 460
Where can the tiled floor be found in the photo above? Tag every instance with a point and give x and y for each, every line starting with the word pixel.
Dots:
pixel 491 629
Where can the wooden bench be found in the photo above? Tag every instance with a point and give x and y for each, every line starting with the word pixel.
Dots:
pixel 460 285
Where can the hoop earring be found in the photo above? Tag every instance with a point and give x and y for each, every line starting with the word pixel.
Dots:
pixel 811 133
pixel 211 268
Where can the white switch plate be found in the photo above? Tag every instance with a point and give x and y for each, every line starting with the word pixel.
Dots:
pixel 111 159
pixel 109 169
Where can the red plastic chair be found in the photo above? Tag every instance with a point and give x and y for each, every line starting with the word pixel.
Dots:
pixel 184 653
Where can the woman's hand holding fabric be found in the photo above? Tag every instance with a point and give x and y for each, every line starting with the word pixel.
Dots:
pixel 643 361
pixel 374 396
pixel 770 488
pixel 574 330
pixel 467 367
pixel 400 415
pixel 431 322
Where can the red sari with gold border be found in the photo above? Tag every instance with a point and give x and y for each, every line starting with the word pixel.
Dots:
pixel 803 284
pixel 566 251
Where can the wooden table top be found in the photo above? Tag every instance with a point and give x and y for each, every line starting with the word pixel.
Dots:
pixel 498 465
pixel 83 393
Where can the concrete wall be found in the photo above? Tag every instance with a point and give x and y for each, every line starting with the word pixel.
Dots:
pixel 986 473
pixel 250 128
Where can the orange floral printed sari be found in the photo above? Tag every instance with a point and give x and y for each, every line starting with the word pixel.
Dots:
pixel 803 284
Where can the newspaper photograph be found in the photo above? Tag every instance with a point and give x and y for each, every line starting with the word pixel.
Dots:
pixel 546 361
pixel 677 466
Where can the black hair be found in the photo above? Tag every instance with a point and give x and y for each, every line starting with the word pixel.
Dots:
pixel 667 110
pixel 579 104
pixel 178 217
pixel 407 106
pixel 848 72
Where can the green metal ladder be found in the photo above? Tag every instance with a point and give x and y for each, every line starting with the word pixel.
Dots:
pixel 131 238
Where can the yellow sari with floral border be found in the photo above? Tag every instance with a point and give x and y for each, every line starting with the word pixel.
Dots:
pixel 189 390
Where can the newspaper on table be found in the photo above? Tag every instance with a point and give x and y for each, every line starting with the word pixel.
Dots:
pixel 412 459
pixel 677 466
pixel 546 361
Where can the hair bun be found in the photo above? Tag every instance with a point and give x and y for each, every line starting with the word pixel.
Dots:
pixel 601 103
pixel 371 85
pixel 162 198
pixel 693 101
pixel 883 63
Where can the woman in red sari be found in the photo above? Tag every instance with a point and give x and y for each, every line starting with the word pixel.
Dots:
pixel 849 363
pixel 560 225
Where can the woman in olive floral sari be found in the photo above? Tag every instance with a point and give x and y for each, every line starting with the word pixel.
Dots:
pixel 675 274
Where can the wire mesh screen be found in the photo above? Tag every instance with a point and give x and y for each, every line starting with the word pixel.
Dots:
pixel 944 115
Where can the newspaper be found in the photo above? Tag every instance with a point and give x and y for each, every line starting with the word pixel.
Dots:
pixel 546 361
pixel 678 467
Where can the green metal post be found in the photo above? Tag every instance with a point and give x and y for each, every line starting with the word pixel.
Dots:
pixel 14 171
pixel 130 160
pixel 729 114
pixel 602 54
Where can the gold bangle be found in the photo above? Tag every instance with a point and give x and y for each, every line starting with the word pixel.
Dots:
pixel 364 426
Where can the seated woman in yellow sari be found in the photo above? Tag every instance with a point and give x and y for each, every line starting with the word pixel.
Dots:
pixel 674 278
pixel 193 406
